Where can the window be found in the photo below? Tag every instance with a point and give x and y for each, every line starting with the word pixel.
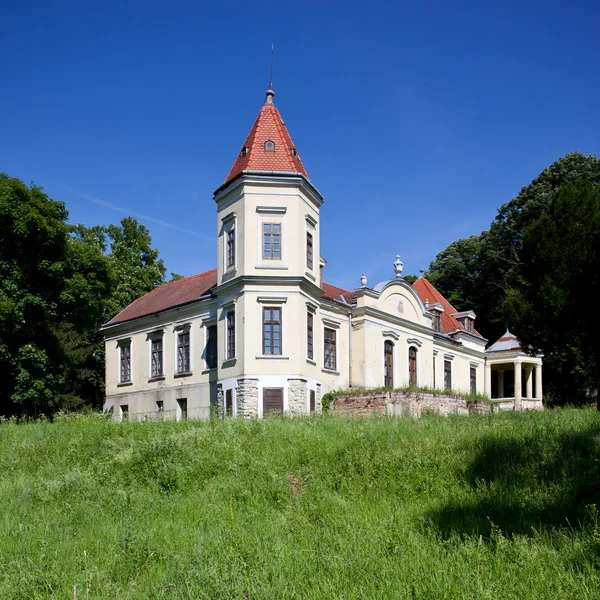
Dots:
pixel 447 375
pixel 182 408
pixel 309 250
pixel 231 334
pixel 412 366
pixel 183 351
pixel 312 401
pixel 469 325
pixel 272 331
pixel 156 357
pixel 125 362
pixel 160 406
pixel 269 146
pixel 473 376
pixel 437 320
pixel 124 411
pixel 272 400
pixel 434 371
pixel 211 347
pixel 388 356
pixel 231 248
pixel 309 336
pixel 272 241
pixel 329 349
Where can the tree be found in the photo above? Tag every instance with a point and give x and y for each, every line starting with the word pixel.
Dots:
pixel 559 275
pixel 483 272
pixel 135 265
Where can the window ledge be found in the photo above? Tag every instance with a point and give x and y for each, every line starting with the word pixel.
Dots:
pixel 310 276
pixel 124 383
pixel 209 370
pixel 330 371
pixel 158 378
pixel 272 357
pixel 272 267
pixel 183 374
pixel 229 362
pixel 311 361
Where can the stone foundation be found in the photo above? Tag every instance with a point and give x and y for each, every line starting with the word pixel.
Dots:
pixel 297 396
pixel 246 397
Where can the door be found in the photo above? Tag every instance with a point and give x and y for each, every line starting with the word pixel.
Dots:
pixel 229 403
pixel 312 401
pixel 388 376
pixel 272 400
pixel 412 366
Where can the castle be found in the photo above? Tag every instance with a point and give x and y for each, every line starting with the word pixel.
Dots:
pixel 264 333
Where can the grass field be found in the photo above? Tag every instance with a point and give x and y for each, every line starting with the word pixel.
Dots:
pixel 480 507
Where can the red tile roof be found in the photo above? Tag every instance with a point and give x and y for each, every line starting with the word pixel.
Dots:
pixel 269 126
pixel 337 294
pixel 169 295
pixel 427 292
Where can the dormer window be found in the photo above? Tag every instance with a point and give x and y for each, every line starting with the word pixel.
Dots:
pixel 294 152
pixel 269 146
pixel 466 320
pixel 244 151
pixel 437 309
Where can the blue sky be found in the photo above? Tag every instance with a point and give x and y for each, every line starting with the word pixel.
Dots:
pixel 428 115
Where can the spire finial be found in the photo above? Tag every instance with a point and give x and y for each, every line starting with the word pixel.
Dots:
pixel 270 92
pixel 422 271
pixel 398 265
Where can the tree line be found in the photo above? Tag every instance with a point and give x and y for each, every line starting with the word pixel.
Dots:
pixel 536 270
pixel 59 283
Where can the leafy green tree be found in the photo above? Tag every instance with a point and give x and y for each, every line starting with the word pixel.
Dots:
pixel 559 275
pixel 135 265
pixel 482 272
pixel 33 244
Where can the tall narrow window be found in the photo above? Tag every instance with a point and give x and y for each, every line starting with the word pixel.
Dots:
pixel 330 359
pixel 412 366
pixel 313 401
pixel 309 250
pixel 388 356
pixel 231 248
pixel 447 375
pixel 124 411
pixel 272 331
pixel 229 403
pixel 434 376
pixel 156 357
pixel 211 347
pixel 309 336
pixel 437 320
pixel 183 351
pixel 272 241
pixel 231 334
pixel 473 377
pixel 125 362
pixel 182 409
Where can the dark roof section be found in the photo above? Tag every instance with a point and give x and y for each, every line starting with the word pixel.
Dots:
pixel 338 294
pixel 169 295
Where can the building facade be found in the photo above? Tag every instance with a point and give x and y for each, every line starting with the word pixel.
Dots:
pixel 262 332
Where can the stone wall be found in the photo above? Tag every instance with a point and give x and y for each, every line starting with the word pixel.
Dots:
pixel 297 396
pixel 404 404
pixel 246 395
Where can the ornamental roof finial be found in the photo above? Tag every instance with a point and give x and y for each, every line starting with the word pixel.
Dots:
pixel 398 266
pixel 270 92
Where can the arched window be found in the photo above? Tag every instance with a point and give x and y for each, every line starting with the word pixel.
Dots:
pixel 269 146
pixel 412 365
pixel 388 364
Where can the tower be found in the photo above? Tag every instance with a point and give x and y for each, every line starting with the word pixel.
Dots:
pixel 268 248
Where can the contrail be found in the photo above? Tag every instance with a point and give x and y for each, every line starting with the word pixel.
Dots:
pixel 130 212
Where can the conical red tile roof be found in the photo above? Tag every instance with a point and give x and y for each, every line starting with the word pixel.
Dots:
pixel 268 127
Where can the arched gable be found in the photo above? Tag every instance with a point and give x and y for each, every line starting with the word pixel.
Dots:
pixel 398 298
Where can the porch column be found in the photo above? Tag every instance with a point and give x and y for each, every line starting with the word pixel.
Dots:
pixel 500 383
pixel 538 381
pixel 518 392
pixel 528 382
pixel 487 383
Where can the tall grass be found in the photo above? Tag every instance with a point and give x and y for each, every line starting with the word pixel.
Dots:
pixel 322 507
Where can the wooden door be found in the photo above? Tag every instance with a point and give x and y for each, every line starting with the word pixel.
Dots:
pixel 388 375
pixel 272 400
pixel 412 366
